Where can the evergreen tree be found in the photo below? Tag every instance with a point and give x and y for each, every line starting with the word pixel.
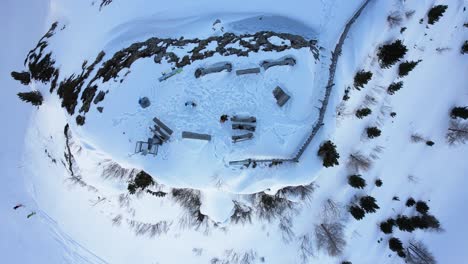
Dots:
pixel 389 54
pixel 34 97
pixel 387 226
pixel 23 77
pixel 373 132
pixel 392 88
pixel 362 78
pixel 378 182
pixel 395 244
pixel 405 224
pixel 356 181
pixel 405 67
pixel 410 202
pixel 329 154
pixel 424 222
pixel 436 13
pixel 357 212
pixel 422 207
pixel 363 112
pixel 368 203
pixel 459 111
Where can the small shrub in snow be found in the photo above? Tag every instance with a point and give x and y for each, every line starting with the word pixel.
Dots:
pixel 430 143
pixel 34 97
pixel 422 207
pixel 80 120
pixel 363 112
pixel 464 48
pixel 356 181
pixel 357 212
pixel 362 78
pixel 346 262
pixel 389 54
pixel 329 154
pixel 459 112
pixel 392 88
pixel 378 182
pixel 368 203
pixel 392 114
pixel 436 13
pixel 403 29
pixel 387 226
pixel 373 132
pixel 410 202
pixel 405 67
pixel 396 246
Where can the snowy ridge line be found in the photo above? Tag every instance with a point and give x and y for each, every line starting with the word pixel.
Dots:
pixel 319 123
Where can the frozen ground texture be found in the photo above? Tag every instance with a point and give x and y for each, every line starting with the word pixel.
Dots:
pixel 91 218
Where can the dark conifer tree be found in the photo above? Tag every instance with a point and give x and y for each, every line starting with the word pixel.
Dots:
pixel 363 112
pixel 23 77
pixel 436 13
pixel 329 154
pixel 422 207
pixel 378 182
pixel 404 223
pixel 405 67
pixel 392 88
pixel 395 244
pixel 357 212
pixel 362 78
pixel 373 132
pixel 387 226
pixel 34 97
pixel 410 202
pixel 368 203
pixel 389 54
pixel 460 111
pixel 356 181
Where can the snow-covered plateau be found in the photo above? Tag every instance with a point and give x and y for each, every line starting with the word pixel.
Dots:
pixel 234 132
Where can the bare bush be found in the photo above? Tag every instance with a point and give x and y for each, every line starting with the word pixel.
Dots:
pixel 418 253
pixel 242 213
pixel 358 161
pixel 303 192
pixel 416 138
pixel 113 170
pixel 330 236
pixel 285 226
pixel 197 251
pixel 124 200
pixel 457 132
pixel 306 249
pixel 331 211
pixel 151 230
pixel 394 19
pixel 117 220
pixel 232 257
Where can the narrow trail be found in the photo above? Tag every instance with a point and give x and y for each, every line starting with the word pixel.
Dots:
pixel 328 89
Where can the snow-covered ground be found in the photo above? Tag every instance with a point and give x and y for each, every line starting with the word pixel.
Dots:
pixel 92 219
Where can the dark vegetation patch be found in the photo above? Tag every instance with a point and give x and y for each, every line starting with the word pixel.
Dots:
pixel 363 112
pixel 23 77
pixel 464 48
pixel 362 78
pixel 405 67
pixel 436 13
pixel 42 66
pixel 392 88
pixel 459 112
pixel 34 97
pixel 389 54
pixel 141 181
pixel 373 132
pixel 329 154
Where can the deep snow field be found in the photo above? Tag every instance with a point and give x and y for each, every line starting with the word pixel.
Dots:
pixel 75 177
